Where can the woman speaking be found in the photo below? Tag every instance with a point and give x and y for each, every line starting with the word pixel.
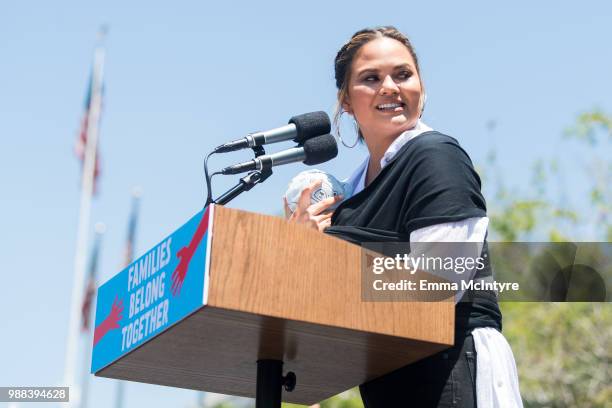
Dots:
pixel 417 185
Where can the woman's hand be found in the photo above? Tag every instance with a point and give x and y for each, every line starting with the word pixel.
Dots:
pixel 314 215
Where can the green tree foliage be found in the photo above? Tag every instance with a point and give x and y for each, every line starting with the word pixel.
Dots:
pixel 348 399
pixel 563 350
pixel 595 129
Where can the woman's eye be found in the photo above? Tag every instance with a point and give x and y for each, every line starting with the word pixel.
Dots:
pixel 370 78
pixel 404 75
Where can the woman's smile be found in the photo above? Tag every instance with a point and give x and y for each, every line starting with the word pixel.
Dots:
pixel 391 107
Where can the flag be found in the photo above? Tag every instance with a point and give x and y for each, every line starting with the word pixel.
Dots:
pixel 131 235
pixel 90 285
pixel 81 140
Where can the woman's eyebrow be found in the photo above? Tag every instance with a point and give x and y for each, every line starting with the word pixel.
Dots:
pixel 403 66
pixel 372 70
pixel 375 70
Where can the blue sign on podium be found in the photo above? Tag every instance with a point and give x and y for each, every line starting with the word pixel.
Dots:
pixel 159 289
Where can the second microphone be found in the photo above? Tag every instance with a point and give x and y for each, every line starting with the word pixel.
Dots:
pixel 313 151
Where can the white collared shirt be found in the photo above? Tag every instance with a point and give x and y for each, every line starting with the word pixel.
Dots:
pixel 357 179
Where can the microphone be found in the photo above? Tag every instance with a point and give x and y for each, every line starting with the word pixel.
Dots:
pixel 299 129
pixel 314 151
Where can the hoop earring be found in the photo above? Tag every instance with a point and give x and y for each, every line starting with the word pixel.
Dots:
pixel 340 137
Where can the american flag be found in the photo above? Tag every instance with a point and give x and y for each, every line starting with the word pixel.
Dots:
pixel 81 140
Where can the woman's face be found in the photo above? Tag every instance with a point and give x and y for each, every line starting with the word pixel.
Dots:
pixel 384 90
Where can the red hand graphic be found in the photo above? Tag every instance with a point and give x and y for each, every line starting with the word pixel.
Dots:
pixel 115 314
pixel 186 253
pixel 111 322
pixel 180 272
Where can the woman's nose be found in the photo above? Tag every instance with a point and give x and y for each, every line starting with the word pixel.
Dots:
pixel 389 87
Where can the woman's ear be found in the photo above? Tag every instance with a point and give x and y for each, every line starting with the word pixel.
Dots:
pixel 422 101
pixel 346 106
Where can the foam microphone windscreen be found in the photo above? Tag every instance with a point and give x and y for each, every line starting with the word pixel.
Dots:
pixel 310 125
pixel 320 149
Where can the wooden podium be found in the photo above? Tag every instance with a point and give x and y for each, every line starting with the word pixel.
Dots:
pixel 281 291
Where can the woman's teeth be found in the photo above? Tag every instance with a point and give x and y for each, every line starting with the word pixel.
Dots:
pixel 389 106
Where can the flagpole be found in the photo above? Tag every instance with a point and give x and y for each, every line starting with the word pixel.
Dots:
pixel 87 185
pixel 100 228
pixel 128 258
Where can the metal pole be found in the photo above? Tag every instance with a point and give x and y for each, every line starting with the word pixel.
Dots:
pixel 130 249
pixel 83 223
pixel 100 228
pixel 269 383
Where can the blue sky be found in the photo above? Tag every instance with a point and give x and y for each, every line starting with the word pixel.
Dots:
pixel 184 77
